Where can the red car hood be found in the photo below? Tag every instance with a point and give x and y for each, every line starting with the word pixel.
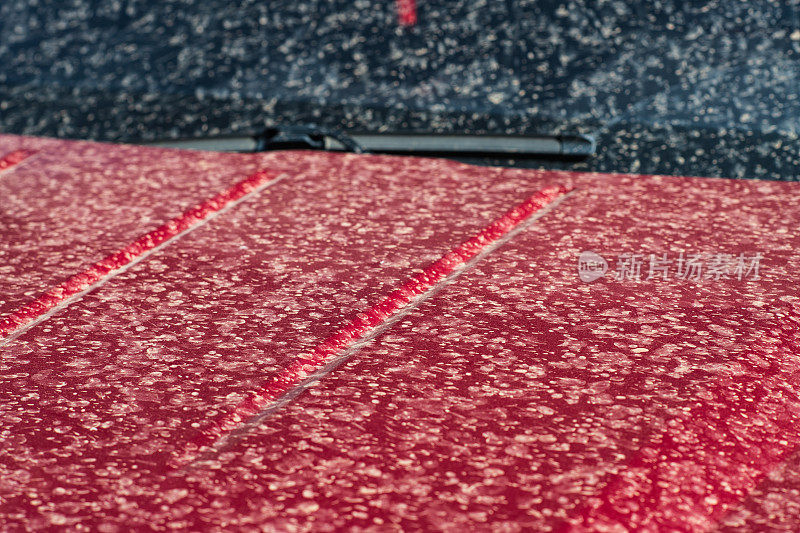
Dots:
pixel 319 341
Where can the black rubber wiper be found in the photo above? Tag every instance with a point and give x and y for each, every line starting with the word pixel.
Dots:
pixel 305 137
pixel 478 145
pixel 315 138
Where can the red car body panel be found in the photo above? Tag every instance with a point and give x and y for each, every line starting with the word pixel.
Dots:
pixel 320 341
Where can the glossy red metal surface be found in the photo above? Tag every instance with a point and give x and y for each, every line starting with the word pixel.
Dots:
pixel 481 383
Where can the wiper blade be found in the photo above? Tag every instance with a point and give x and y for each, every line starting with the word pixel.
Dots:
pixel 500 145
pixel 314 138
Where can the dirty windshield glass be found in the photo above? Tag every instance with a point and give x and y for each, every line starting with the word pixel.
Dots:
pixel 707 88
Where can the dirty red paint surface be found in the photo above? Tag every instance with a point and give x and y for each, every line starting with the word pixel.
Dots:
pixel 74 204
pixel 511 395
pixel 14 158
pixel 132 252
pixel 358 328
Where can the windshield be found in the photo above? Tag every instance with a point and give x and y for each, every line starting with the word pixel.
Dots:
pixel 707 88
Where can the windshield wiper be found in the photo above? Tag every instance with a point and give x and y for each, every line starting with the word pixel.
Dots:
pixel 315 138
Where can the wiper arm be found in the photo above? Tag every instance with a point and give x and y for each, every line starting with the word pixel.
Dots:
pixel 315 138
pixel 305 137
